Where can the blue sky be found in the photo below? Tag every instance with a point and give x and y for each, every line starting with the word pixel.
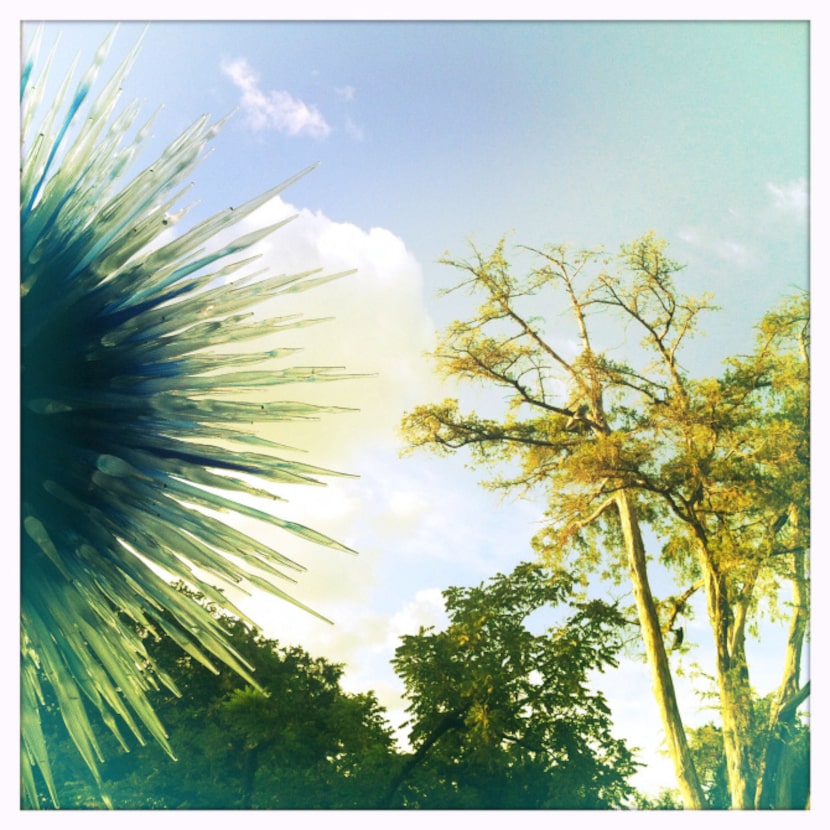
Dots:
pixel 433 133
pixel 587 133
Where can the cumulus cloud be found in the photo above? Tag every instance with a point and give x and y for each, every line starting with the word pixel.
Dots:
pixel 379 324
pixel 276 109
pixel 345 93
pixel 791 197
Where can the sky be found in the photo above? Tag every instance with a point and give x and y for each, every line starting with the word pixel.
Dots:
pixel 433 135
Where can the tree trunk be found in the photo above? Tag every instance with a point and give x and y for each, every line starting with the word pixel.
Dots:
pixel 775 786
pixel 251 765
pixel 772 791
pixel 452 720
pixel 736 717
pixel 690 789
pixel 250 768
pixel 733 687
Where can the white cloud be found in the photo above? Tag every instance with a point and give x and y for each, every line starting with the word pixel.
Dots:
pixel 426 610
pixel 345 93
pixel 380 326
pixel 791 198
pixel 741 237
pixel 725 249
pixel 275 109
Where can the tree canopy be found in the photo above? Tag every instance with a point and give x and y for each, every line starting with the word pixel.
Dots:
pixel 625 440
pixel 501 717
pixel 297 742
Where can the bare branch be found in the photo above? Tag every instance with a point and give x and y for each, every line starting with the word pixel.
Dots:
pixel 593 516
pixel 793 702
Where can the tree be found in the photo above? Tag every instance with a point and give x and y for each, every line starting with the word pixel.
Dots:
pixel 777 447
pixel 138 407
pixel 298 742
pixel 631 441
pixel 504 718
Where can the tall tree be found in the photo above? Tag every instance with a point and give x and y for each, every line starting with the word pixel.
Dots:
pixel 631 440
pixel 502 717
